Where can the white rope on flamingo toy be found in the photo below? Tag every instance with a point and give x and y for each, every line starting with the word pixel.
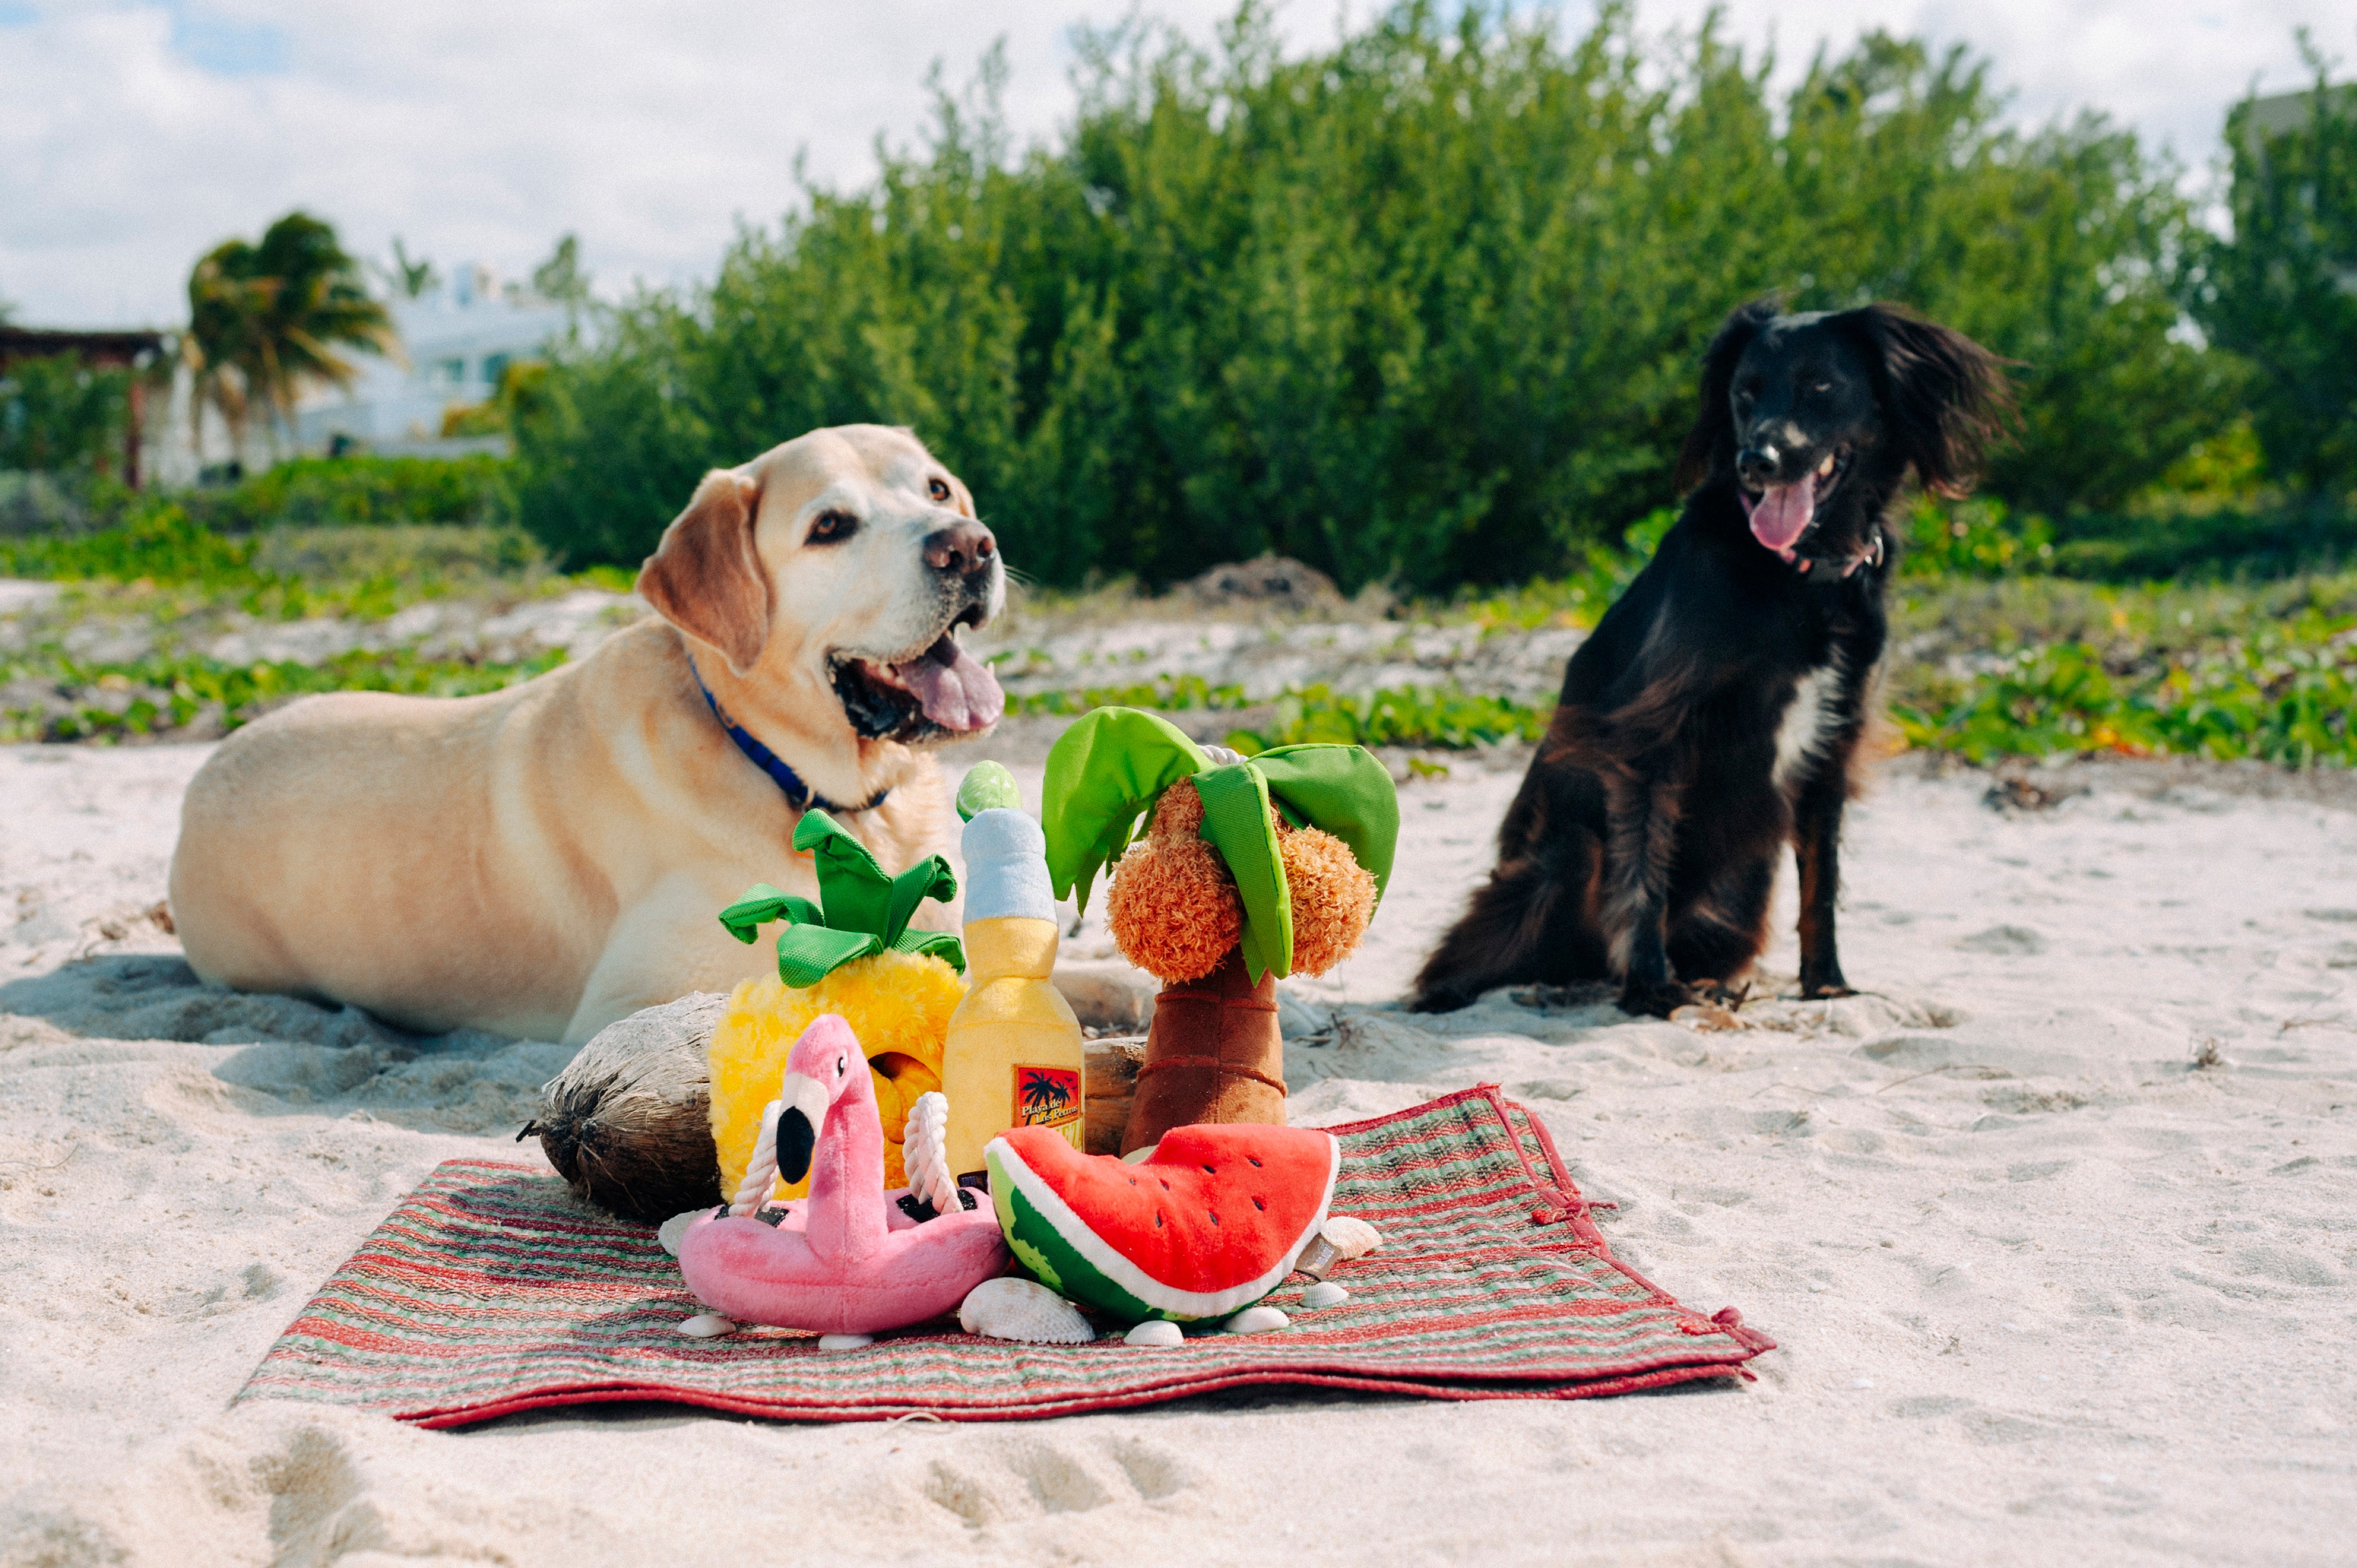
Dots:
pixel 761 1174
pixel 925 1153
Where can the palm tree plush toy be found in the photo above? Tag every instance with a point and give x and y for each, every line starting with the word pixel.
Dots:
pixel 1251 868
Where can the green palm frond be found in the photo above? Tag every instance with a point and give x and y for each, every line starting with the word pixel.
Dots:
pixel 1112 766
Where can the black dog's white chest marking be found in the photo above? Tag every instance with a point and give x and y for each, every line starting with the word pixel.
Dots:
pixel 1810 721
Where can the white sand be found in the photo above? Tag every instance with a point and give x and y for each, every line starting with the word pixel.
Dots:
pixel 2069 1300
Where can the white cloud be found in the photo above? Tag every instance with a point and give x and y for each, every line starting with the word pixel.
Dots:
pixel 135 134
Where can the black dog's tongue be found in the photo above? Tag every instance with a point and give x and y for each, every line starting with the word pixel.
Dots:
pixel 958 692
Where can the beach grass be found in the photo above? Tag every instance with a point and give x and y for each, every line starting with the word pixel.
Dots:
pixel 1983 666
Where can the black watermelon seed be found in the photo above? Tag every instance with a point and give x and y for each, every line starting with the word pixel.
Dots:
pixel 1259 1204
pixel 1157 1220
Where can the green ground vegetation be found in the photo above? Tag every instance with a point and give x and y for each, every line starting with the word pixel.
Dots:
pixel 1993 656
pixel 161 569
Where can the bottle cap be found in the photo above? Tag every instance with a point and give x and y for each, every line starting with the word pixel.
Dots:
pixel 1006 867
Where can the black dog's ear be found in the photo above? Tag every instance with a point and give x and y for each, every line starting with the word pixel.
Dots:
pixel 1944 396
pixel 1710 445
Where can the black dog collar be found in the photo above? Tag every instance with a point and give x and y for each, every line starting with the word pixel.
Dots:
pixel 1870 556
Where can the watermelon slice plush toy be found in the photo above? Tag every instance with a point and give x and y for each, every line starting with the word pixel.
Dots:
pixel 1207 1223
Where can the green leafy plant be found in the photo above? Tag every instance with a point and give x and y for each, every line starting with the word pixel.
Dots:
pixel 58 415
pixel 1399 716
pixel 1973 539
pixel 1422 307
pixel 163 693
pixel 2275 291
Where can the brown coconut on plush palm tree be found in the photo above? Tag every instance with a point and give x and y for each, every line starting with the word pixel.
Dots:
pixel 1251 868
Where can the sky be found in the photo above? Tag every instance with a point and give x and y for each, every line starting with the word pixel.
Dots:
pixel 135 134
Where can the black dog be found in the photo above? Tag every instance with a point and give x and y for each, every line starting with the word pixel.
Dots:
pixel 1716 712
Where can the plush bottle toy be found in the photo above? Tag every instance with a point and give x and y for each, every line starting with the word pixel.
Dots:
pixel 1251 868
pixel 1013 1054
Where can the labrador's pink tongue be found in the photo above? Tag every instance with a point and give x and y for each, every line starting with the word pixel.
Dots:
pixel 957 691
pixel 1779 516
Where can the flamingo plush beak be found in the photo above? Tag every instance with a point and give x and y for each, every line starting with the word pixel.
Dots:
pixel 803 1103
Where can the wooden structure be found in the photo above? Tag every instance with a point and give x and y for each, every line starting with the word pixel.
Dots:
pixel 132 351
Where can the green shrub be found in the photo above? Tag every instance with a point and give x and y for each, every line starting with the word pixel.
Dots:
pixel 1973 539
pixel 157 543
pixel 2268 540
pixel 58 415
pixel 2275 291
pixel 1424 308
pixel 161 563
pixel 362 489
pixel 2279 699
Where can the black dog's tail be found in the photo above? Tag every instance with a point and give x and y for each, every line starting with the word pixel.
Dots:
pixel 1531 922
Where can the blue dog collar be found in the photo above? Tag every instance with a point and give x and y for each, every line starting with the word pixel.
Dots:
pixel 799 795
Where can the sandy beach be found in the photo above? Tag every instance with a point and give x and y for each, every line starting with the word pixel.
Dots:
pixel 2056 1227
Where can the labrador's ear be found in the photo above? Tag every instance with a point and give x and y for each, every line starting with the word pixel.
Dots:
pixel 1710 445
pixel 705 578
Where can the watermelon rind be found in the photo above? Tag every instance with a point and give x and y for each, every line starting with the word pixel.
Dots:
pixel 1072 1259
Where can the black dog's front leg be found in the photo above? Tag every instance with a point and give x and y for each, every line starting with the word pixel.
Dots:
pixel 1643 818
pixel 1817 846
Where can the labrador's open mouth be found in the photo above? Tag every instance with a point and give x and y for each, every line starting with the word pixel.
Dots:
pixel 1782 513
pixel 943 691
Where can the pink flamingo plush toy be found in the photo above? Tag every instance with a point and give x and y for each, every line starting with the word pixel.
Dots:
pixel 846 1261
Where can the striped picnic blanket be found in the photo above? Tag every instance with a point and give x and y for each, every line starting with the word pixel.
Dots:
pixel 492 1290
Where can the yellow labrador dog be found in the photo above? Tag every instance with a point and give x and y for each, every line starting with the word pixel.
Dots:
pixel 542 861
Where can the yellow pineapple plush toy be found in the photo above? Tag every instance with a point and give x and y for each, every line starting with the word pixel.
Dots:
pixel 851 953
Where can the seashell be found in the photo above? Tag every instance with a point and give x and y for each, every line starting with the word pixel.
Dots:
pixel 1254 1320
pixel 704 1325
pixel 1325 1293
pixel 672 1229
pixel 925 1153
pixel 1351 1236
pixel 845 1341
pixel 1156 1333
pixel 1023 1310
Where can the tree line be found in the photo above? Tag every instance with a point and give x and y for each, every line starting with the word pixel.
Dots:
pixel 1424 306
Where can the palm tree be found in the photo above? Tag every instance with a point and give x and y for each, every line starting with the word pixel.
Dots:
pixel 266 322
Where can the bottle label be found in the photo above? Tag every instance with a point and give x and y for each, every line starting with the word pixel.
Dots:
pixel 1049 1096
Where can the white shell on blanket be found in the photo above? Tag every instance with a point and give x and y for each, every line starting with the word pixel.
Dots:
pixel 1025 1310
pixel 1255 1320
pixel 1352 1237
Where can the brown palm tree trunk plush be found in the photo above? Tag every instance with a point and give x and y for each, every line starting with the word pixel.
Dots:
pixel 1214 1053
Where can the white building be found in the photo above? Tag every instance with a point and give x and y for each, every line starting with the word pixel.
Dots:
pixel 456 340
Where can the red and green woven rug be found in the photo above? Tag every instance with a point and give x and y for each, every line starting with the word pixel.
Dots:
pixel 491 1290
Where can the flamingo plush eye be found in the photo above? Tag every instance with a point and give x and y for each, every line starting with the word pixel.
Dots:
pixel 839 1068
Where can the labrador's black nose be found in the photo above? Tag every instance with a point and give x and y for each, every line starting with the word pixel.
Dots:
pixel 1758 464
pixel 966 549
